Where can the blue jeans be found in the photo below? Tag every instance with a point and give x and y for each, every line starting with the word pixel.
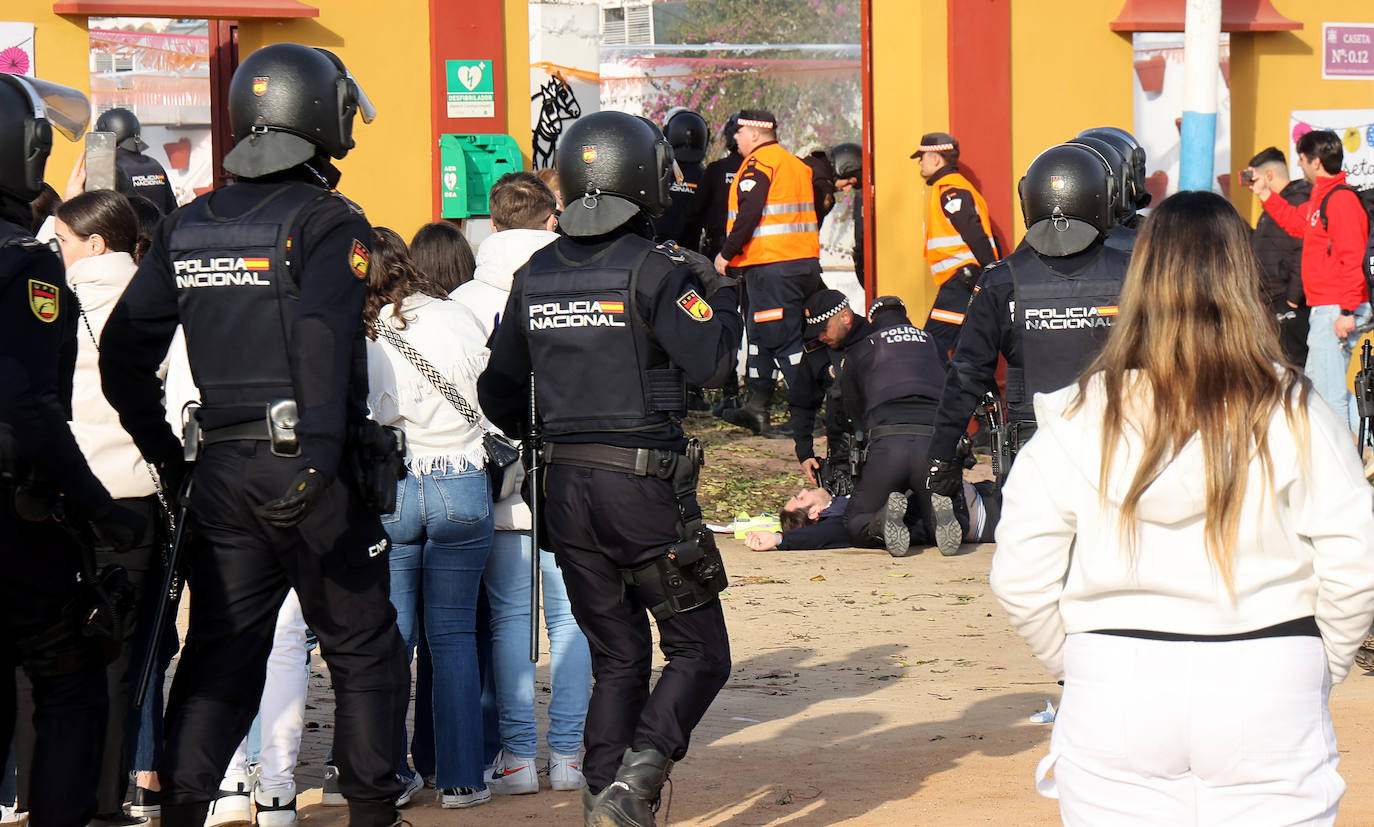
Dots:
pixel 507 581
pixel 440 537
pixel 1327 362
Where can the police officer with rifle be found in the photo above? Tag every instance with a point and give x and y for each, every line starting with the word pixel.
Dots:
pixel 831 328
pixel 61 618
pixel 1046 307
pixel 267 277
pixel 613 327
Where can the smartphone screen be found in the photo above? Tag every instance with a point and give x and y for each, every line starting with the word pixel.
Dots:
pixel 1246 177
pixel 100 161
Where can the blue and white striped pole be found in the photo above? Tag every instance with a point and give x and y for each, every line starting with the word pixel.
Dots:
pixel 1201 51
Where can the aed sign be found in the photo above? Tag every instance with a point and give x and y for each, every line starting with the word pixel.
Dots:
pixel 1348 51
pixel 471 89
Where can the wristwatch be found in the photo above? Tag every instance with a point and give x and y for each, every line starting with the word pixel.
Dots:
pixel 1345 312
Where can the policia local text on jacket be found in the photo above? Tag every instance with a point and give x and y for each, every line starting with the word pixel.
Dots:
pixel 267 278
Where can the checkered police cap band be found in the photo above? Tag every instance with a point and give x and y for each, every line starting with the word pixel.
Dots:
pixel 757 124
pixel 934 147
pixel 821 317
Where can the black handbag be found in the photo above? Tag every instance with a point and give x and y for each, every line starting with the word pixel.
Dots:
pixel 503 467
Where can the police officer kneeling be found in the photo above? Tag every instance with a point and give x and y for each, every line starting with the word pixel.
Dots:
pixel 267 277
pixel 890 381
pixel 58 616
pixel 611 327
pixel 1046 307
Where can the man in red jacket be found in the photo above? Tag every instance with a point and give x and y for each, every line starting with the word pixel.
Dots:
pixel 1333 274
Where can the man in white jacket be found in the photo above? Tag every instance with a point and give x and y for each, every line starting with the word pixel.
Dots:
pixel 523 214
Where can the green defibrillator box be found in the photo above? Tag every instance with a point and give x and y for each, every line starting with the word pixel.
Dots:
pixel 468 166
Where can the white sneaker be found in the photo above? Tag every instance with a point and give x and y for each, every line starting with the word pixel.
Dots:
pixel 231 805
pixel 565 772
pixel 9 815
pixel 458 798
pixel 509 775
pixel 276 807
pixel 413 785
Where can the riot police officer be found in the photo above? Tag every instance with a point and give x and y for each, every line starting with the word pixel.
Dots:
pixel 609 327
pixel 831 328
pixel 136 173
pixel 1127 159
pixel 891 381
pixel 267 278
pixel 53 625
pixel 713 195
pixel 688 134
pixel 1046 307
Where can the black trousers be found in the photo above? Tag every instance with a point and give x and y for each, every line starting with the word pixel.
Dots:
pixel 947 313
pixel 895 463
pixel 68 710
pixel 774 323
pixel 598 523
pixel 239 572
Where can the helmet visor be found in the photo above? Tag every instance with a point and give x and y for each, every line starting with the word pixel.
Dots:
pixel 365 107
pixel 65 108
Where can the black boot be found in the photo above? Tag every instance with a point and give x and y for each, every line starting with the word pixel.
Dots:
pixel 753 414
pixel 631 799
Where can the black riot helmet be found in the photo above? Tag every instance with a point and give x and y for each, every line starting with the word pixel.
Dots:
pixel 288 102
pixel 30 109
pixel 610 167
pixel 727 133
pixel 688 133
pixel 1120 172
pixel 848 160
pixel 126 128
pixel 1134 153
pixel 1068 199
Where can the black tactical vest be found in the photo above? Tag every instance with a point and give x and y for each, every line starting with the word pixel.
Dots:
pixel 906 362
pixel 1062 321
pixel 598 366
pixel 237 298
pixel 145 176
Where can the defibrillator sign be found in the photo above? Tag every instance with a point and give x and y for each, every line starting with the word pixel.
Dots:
pixel 471 89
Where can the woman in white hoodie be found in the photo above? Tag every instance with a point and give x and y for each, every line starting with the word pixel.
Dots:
pixel 99 237
pixel 1188 542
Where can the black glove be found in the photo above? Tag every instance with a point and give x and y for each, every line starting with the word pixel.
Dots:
pixel 945 478
pixel 172 475
pixel 117 528
pixel 295 504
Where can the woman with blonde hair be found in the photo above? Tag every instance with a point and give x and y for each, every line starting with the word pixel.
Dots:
pixel 1188 542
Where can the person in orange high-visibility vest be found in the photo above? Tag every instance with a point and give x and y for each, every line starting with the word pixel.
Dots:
pixel 773 240
pixel 959 239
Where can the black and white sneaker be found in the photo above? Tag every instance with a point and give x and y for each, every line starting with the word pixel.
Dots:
pixel 276 808
pixel 146 804
pixel 896 536
pixel 231 804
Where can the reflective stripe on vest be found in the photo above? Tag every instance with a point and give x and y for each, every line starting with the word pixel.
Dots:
pixel 788 229
pixel 946 250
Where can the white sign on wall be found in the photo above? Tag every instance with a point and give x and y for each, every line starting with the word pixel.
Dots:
pixel 16 48
pixel 1355 128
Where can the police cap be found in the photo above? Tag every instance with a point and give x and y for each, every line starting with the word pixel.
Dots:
pixel 612 165
pixel 1068 199
pixel 936 142
pixel 125 126
pixel 757 118
pixel 886 303
pixel 821 306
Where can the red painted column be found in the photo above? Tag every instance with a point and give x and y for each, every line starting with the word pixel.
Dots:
pixel 463 30
pixel 980 102
pixel 224 59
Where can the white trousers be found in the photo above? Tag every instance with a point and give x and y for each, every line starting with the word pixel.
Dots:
pixel 1185 733
pixel 282 708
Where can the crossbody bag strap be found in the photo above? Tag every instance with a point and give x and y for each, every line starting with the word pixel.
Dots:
pixel 430 373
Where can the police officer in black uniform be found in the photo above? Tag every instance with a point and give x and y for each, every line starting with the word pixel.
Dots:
pixel 1046 307
pixel 136 173
pixel 713 195
pixel 610 326
pixel 267 277
pixel 822 182
pixel 848 161
pixel 1131 174
pixel 891 381
pixel 688 134
pixel 831 328
pixel 48 495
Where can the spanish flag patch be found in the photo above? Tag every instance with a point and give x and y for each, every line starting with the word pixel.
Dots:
pixel 359 259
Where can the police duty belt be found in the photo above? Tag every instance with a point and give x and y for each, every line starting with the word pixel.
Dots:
pixel 641 462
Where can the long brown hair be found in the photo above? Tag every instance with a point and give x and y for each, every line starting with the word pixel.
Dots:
pixel 1207 364
pixel 391 278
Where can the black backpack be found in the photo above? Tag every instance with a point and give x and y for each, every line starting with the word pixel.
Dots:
pixel 1366 197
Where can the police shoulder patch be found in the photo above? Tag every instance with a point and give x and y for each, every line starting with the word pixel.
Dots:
pixel 953 204
pixel 695 306
pixel 359 259
pixel 43 300
pixel 747 184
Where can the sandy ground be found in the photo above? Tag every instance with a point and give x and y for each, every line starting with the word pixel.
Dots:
pixel 866 690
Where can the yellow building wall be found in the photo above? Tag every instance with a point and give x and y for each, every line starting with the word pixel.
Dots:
pixel 1273 73
pixel 61 54
pixel 518 123
pixel 1069 72
pixel 910 98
